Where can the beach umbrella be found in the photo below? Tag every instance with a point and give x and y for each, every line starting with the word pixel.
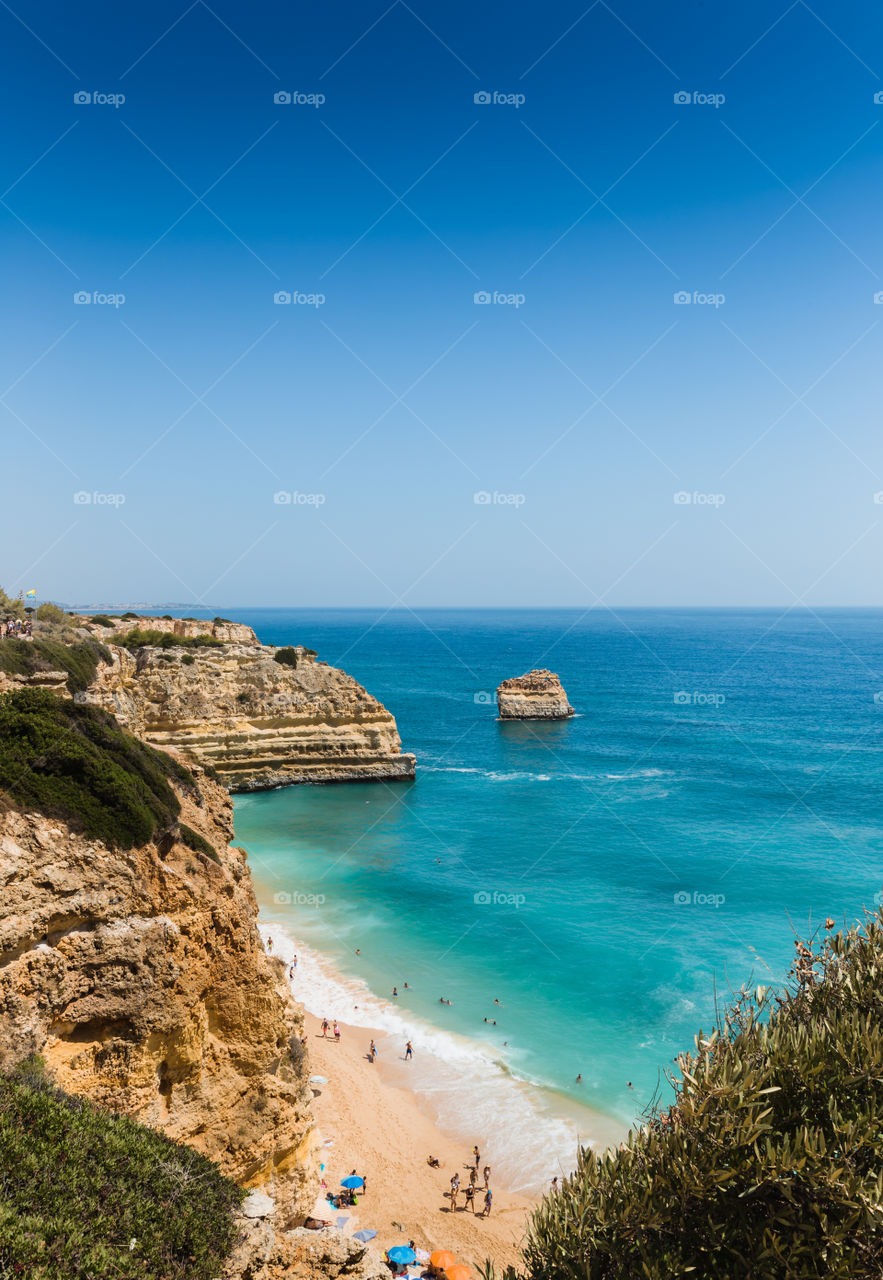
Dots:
pixel 441 1259
pixel 458 1272
pixel 318 1079
pixel 364 1236
pixel 402 1255
pixel 352 1182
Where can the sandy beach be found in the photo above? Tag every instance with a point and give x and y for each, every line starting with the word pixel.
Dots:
pixel 378 1129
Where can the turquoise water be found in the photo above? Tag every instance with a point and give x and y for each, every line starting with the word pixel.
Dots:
pixel 604 878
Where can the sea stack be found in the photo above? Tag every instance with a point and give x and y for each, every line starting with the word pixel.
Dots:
pixel 538 695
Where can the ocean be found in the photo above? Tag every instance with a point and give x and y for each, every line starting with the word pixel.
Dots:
pixel 585 893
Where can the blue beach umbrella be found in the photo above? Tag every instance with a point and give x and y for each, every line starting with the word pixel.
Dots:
pixel 352 1182
pixel 402 1255
pixel 364 1236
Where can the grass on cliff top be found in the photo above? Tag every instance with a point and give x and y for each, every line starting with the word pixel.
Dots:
pixel 27 657
pixel 75 762
pixel 89 1195
pixel 138 639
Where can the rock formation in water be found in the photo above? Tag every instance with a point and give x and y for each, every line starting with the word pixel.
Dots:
pixel 258 721
pixel 140 977
pixel 538 695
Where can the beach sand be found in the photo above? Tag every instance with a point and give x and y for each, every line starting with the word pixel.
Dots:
pixel 379 1130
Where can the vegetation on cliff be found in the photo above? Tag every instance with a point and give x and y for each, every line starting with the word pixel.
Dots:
pixel 89 1195
pixel 75 762
pixel 770 1162
pixel 137 639
pixel 29 657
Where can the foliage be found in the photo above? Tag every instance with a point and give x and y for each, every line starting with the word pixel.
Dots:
pixel 75 762
pixel 227 620
pixel 188 659
pixel 768 1165
pixel 126 616
pixel 287 656
pixel 101 620
pixel 80 661
pixel 197 843
pixel 89 1195
pixel 138 639
pixel 48 612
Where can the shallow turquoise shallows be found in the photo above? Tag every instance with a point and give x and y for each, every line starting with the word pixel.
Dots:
pixel 607 878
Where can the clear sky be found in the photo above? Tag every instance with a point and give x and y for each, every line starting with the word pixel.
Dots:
pixel 384 198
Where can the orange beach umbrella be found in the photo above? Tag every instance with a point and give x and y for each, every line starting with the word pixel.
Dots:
pixel 458 1272
pixel 441 1259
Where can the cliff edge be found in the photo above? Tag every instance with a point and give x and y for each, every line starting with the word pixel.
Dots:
pixel 538 695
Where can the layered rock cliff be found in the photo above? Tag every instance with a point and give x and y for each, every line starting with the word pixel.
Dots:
pixel 260 723
pixel 140 977
pixel 538 695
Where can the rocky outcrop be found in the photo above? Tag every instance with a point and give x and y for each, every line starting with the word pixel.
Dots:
pixel 538 695
pixel 140 977
pixel 266 1253
pixel 186 628
pixel 260 723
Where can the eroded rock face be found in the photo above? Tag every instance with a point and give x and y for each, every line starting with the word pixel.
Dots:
pixel 258 722
pixel 229 632
pixel 538 695
pixel 141 978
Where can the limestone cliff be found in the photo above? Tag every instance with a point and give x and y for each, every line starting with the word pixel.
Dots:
pixel 140 976
pixel 538 695
pixel 258 722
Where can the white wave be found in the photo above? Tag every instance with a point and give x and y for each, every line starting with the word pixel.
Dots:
pixel 472 1095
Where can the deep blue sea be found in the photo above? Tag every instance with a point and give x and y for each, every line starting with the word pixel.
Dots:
pixel 607 879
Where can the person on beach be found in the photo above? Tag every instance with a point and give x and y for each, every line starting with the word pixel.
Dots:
pixel 455 1187
pixel 269 944
pixel 470 1198
pixel 477 1156
pixel 324 1028
pixel 291 972
pixel 409 1052
pixel 336 1034
pixel 554 1187
pixel 395 993
pixel 488 1201
pixel 473 1177
pixel 579 1078
pixel 372 1051
pixel 487 1176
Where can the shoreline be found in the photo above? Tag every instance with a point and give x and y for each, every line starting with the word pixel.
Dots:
pixel 457 1087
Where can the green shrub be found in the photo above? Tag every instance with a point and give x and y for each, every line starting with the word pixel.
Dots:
pixel 126 616
pixel 243 697
pixel 75 762
pixel 10 606
pixel 80 661
pixel 197 843
pixel 188 659
pixel 287 656
pixel 138 639
pixel 227 620
pixel 769 1164
pixel 89 1195
pixel 101 620
pixel 49 613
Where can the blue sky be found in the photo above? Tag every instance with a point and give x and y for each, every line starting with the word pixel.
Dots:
pixel 384 399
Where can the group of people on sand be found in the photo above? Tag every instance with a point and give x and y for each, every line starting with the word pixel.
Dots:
pixel 372 1053
pixel 471 1191
pixel 333 1027
pixel 14 627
